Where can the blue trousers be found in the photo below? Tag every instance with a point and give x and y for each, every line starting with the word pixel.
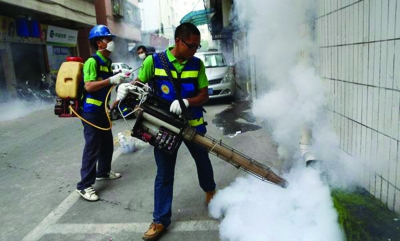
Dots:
pixel 164 182
pixel 99 148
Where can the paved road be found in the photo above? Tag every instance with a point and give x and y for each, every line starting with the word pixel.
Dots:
pixel 40 157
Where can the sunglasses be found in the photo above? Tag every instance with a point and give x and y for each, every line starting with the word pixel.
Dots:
pixel 191 47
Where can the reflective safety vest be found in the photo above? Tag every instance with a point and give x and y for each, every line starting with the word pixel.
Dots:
pixel 93 102
pixel 188 80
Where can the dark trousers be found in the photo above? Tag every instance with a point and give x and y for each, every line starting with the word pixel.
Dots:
pixel 99 148
pixel 164 182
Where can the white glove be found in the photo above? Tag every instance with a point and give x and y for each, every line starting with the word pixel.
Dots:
pixel 118 79
pixel 124 89
pixel 176 107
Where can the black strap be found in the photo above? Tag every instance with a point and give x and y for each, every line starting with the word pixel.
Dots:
pixel 177 86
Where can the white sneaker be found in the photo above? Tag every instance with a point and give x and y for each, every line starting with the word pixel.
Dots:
pixel 88 194
pixel 110 176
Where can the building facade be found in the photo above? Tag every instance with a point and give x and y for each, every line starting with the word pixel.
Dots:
pixel 37 36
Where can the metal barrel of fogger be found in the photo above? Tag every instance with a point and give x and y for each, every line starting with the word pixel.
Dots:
pixel 220 150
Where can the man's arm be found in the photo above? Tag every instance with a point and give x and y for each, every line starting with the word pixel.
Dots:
pixel 199 99
pixel 96 85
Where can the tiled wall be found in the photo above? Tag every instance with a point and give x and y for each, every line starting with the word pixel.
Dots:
pixel 359 54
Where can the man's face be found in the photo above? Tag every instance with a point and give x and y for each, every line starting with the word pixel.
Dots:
pixel 140 51
pixel 188 47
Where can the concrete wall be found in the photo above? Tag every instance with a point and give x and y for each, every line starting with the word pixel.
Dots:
pixel 74 10
pixel 359 51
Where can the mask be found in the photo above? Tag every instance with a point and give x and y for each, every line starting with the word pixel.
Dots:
pixel 142 55
pixel 110 46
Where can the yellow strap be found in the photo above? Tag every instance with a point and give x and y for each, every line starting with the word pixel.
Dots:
pixel 190 74
pixel 162 72
pixel 196 122
pixel 93 101
pixel 104 68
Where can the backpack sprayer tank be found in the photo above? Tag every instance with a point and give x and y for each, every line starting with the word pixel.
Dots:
pixel 69 79
pixel 166 131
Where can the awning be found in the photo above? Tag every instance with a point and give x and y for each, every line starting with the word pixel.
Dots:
pixel 199 17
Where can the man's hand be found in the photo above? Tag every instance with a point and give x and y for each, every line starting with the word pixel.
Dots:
pixel 118 79
pixel 176 107
pixel 123 90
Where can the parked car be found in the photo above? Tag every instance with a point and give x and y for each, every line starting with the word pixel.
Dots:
pixel 220 74
pixel 122 68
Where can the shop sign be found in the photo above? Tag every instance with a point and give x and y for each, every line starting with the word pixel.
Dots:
pixel 61 36
pixel 22 30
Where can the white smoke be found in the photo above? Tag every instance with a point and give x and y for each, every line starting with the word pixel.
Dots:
pixel 15 109
pixel 278 36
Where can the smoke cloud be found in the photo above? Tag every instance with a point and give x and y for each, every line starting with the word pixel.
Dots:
pixel 280 38
pixel 17 108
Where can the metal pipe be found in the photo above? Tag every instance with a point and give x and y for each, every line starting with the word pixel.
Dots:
pixel 217 148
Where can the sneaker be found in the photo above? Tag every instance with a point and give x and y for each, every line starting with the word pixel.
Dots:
pixel 209 196
pixel 110 176
pixel 89 194
pixel 154 232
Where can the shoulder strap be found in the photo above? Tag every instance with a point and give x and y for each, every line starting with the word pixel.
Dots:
pixel 177 86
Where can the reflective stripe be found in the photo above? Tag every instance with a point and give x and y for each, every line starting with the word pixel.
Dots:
pixel 104 68
pixel 160 72
pixel 93 101
pixel 190 74
pixel 196 122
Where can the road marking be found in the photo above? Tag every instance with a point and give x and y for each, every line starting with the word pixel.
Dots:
pixel 58 212
pixel 109 228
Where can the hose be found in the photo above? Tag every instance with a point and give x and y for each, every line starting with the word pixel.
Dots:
pixel 105 108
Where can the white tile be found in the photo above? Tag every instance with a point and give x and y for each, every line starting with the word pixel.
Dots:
pixel 384 15
pixel 385 154
pixel 377 63
pixel 391 194
pixel 397 27
pixel 354 102
pixel 378 187
pixel 397 201
pixel 396 77
pixel 371 22
pixel 371 60
pixel 389 65
pixel 368 143
pixel 357 62
pixel 375 109
pixel 393 159
pixel 388 112
pixel 360 21
pixel 381 110
pixel 398 170
pixel 384 191
pixel 383 65
pixel 366 21
pixel 354 139
pixel 395 115
pixel 380 155
pixel 350 66
pixel 374 149
pixel 355 24
pixel 359 139
pixel 350 24
pixel 365 69
pixel 363 143
pixel 364 104
pixel 370 104
pixel 378 20
pixel 359 103
pixel 391 19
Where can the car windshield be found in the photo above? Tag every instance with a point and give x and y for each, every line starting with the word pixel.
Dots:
pixel 124 66
pixel 213 60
